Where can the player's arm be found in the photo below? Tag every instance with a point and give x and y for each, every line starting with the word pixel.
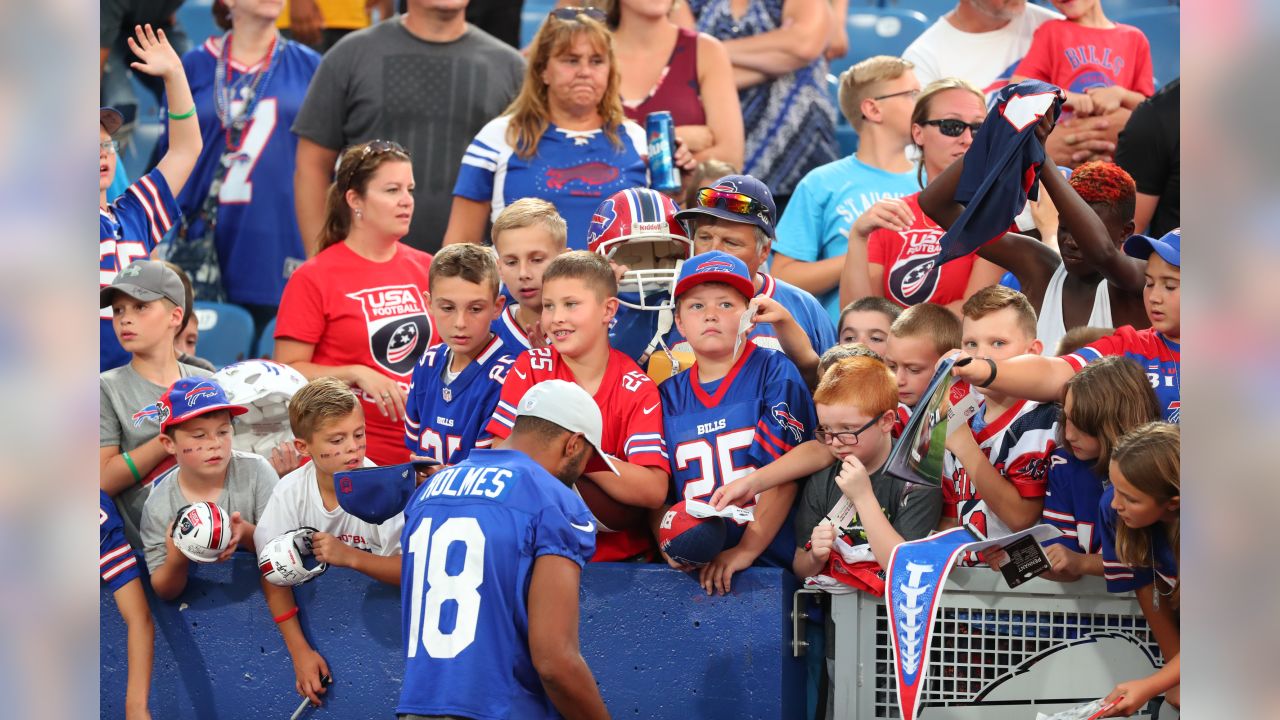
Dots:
pixel 308 665
pixel 467 220
pixel 1032 377
pixel 313 171
pixel 771 512
pixel 638 485
pixel 157 58
pixel 999 492
pixel 801 461
pixel 131 601
pixel 553 639
pixel 114 473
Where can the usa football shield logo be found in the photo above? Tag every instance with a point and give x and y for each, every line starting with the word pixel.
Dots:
pixel 399 329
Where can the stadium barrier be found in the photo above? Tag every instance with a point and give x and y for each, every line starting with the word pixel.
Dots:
pixel 998 654
pixel 660 648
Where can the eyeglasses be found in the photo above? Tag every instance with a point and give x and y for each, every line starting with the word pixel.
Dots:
pixel 736 203
pixel 952 127
pixel 111 146
pixel 905 93
pixel 572 13
pixel 846 437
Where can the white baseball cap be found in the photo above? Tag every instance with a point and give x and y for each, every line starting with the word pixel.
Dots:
pixel 566 404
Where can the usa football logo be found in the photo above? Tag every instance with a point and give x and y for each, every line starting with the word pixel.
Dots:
pixel 399 329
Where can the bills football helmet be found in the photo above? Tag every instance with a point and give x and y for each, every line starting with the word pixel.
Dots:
pixel 201 531
pixel 283 559
pixel 264 387
pixel 638 228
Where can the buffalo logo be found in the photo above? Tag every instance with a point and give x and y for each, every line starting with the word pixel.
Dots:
pixel 603 218
pixel 399 329
pixel 150 412
pixel 715 266
pixel 913 280
pixel 1174 412
pixel 788 422
pixel 727 186
pixel 200 390
pixel 594 174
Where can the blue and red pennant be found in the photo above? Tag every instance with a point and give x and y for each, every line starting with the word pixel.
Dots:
pixel 1001 168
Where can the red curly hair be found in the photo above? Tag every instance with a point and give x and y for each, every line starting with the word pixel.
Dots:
pixel 1107 184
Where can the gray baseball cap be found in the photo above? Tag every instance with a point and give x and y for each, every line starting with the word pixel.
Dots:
pixel 110 119
pixel 566 404
pixel 146 280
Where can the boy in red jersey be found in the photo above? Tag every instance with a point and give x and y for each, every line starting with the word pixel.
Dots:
pixel 579 300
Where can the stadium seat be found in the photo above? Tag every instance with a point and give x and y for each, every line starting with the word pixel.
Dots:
pixel 932 9
pixel 1161 26
pixel 879 31
pixel 267 341
pixel 226 332
pixel 531 17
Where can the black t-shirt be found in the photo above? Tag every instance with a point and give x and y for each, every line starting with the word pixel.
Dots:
pixel 120 16
pixel 913 510
pixel 1148 150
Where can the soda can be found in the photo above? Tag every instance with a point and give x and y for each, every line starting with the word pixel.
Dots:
pixel 664 176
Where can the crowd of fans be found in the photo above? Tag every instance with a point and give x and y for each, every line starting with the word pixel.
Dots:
pixel 437 222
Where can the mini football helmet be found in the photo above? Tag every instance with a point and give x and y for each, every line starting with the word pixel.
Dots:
pixel 202 531
pixel 283 559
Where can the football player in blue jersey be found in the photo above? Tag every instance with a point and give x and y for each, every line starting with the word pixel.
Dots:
pixel 738 408
pixel 456 384
pixel 239 236
pixel 494 549
pixel 131 226
pixel 1104 400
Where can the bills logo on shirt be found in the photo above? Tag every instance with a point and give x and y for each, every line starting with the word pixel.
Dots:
pixel 1174 414
pixel 150 412
pixel 592 174
pixel 788 422
pixel 399 330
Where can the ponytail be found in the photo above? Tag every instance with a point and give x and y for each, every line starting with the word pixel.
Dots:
pixel 356 167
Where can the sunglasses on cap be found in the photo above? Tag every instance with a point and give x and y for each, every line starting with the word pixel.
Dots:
pixel 952 127
pixel 572 13
pixel 735 202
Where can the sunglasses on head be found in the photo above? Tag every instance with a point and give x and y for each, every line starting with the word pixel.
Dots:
pixel 572 13
pixel 952 127
pixel 381 146
pixel 735 202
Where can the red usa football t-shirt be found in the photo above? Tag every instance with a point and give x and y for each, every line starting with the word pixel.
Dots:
pixel 360 312
pixel 632 412
pixel 912 274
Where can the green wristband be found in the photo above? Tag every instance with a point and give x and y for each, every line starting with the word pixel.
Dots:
pixel 184 115
pixel 137 476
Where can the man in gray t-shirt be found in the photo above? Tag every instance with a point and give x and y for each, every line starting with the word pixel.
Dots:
pixel 125 424
pixel 250 480
pixel 426 80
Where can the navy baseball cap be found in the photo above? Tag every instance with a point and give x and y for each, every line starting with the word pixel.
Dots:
pixel 715 266
pixel 190 398
pixel 729 199
pixel 377 494
pixel 110 119
pixel 1168 247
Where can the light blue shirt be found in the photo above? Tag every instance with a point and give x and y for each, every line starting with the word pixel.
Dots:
pixel 816 223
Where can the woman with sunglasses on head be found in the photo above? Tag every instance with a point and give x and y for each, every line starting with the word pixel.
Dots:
pixel 893 246
pixel 239 239
pixel 1092 282
pixel 687 73
pixel 356 311
pixel 564 139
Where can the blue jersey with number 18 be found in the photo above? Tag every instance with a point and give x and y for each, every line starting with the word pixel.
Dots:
pixel 471 536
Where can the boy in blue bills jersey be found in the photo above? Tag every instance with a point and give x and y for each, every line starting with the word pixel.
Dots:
pixel 456 384
pixel 494 549
pixel 130 226
pixel 740 407
pixel 248 86
pixel 118 568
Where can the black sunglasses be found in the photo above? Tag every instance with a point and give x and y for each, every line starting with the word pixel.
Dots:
pixel 572 13
pixel 952 127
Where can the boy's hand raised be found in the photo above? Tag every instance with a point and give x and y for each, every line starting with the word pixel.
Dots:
pixel 735 493
pixel 768 310
pixel 156 56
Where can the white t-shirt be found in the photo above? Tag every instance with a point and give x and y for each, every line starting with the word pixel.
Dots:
pixel 296 503
pixel 985 59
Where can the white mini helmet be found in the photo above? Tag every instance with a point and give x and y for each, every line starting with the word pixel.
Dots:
pixel 264 388
pixel 202 531
pixel 638 228
pixel 282 560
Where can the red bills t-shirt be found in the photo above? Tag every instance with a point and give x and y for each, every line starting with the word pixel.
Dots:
pixel 912 274
pixel 1077 58
pixel 632 412
pixel 359 312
